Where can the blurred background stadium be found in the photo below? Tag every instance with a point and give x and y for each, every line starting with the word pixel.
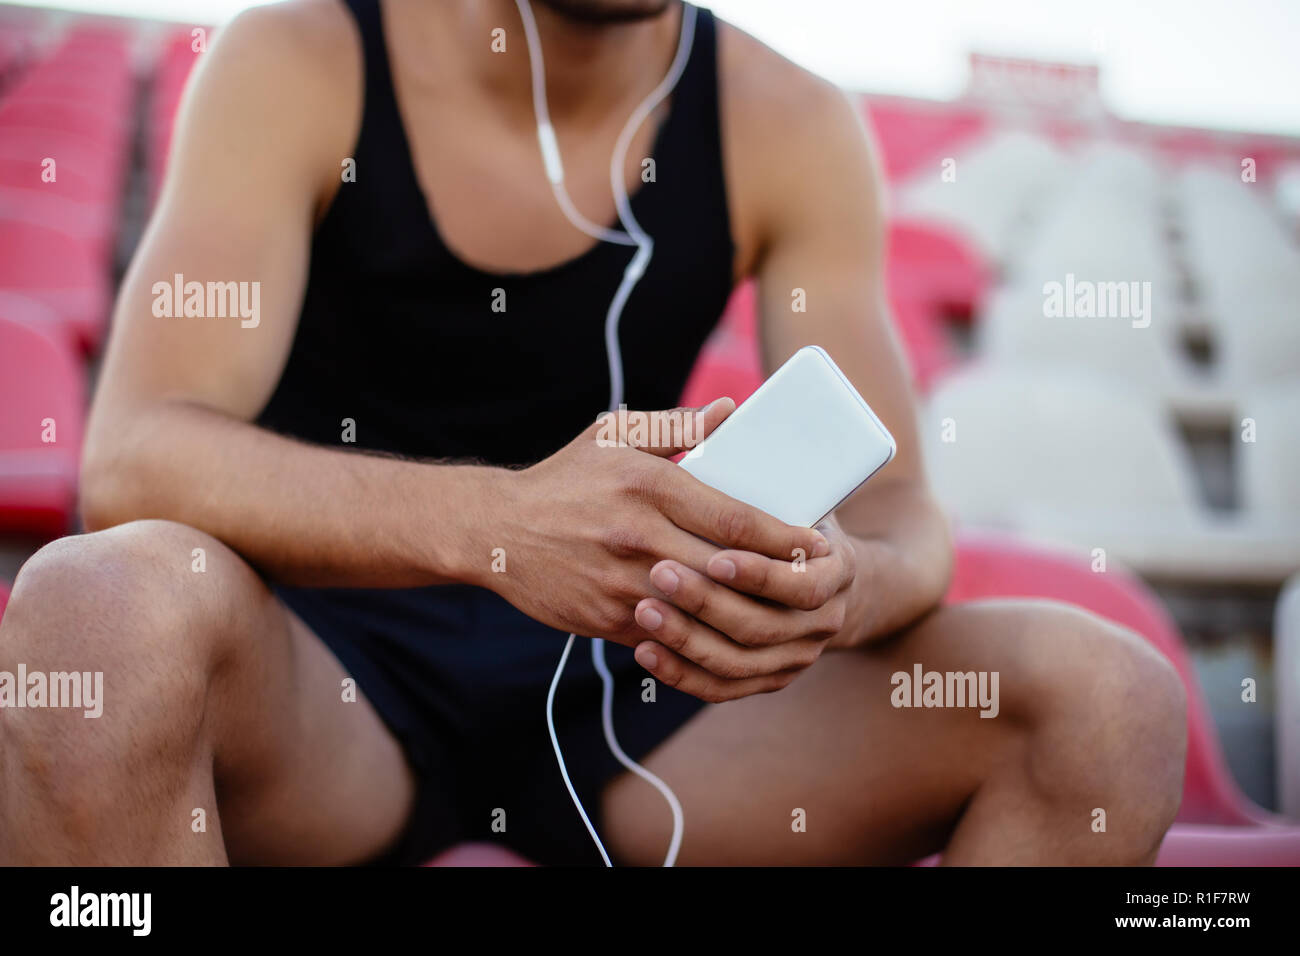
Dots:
pixel 1137 455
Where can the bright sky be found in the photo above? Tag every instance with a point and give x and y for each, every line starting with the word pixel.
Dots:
pixel 1225 63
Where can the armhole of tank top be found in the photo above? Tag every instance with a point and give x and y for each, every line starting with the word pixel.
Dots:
pixel 327 212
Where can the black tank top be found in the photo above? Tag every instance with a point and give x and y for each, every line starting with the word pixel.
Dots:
pixel 399 335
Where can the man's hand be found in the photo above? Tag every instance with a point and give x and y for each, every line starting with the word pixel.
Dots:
pixel 580 531
pixel 750 622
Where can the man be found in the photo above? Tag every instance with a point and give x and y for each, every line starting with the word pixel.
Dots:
pixel 336 547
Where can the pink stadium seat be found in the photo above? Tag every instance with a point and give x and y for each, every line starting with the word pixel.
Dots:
pixel 729 363
pixel 478 854
pixel 41 386
pixel 73 204
pixel 59 271
pixel 932 265
pixel 1190 844
pixel 102 169
pixel 920 329
pixel 107 132
pixel 175 63
pixel 913 132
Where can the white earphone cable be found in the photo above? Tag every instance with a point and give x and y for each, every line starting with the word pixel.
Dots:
pixel 634 235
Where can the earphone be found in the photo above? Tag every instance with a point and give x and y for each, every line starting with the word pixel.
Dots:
pixel 633 235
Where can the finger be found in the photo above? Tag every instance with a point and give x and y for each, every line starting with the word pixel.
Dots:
pixel 805 585
pixel 674 670
pixel 663 433
pixel 695 507
pixel 715 652
pixel 739 616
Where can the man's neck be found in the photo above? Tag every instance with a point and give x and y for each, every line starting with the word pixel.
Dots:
pixel 591 68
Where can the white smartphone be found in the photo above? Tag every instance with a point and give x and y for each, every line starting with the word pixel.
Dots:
pixel 797 447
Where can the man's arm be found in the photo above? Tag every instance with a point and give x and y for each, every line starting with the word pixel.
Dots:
pixel 825 229
pixel 265 124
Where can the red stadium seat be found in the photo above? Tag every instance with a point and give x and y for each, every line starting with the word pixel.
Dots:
pixel 101 167
pixel 729 363
pixel 72 204
pixel 41 387
pixel 933 265
pixel 914 132
pixel 59 271
pixel 920 329
pixel 175 64
pixel 478 854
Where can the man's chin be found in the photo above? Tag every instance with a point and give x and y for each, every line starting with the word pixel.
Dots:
pixel 607 11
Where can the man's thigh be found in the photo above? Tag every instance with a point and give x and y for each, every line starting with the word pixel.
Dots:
pixel 309 774
pixel 866 781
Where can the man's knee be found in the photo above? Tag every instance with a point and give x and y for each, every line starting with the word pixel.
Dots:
pixel 139 592
pixel 144 611
pixel 1110 715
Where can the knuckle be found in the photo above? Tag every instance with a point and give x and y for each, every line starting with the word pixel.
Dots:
pixel 763 635
pixel 832 618
pixel 697 601
pixel 731 668
pixel 614 618
pixel 848 570
pixel 735 525
pixel 670 635
pixel 806 598
pixel 623 541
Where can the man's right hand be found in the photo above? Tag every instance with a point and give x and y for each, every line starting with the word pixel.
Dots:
pixel 579 532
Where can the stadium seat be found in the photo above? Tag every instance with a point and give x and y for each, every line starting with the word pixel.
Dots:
pixel 920 328
pixel 1211 846
pixel 1143 354
pixel 73 204
pixel 1063 458
pixel 997 182
pixel 478 854
pixel 935 266
pixel 1012 448
pixel 912 133
pixel 1270 461
pixel 26 311
pixel 41 388
pixel 171 72
pixel 1247 274
pixel 59 271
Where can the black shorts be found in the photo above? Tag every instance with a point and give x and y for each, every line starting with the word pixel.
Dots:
pixel 460 678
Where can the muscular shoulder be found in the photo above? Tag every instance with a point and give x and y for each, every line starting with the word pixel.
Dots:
pixel 790 138
pixel 316 36
pixel 283 81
